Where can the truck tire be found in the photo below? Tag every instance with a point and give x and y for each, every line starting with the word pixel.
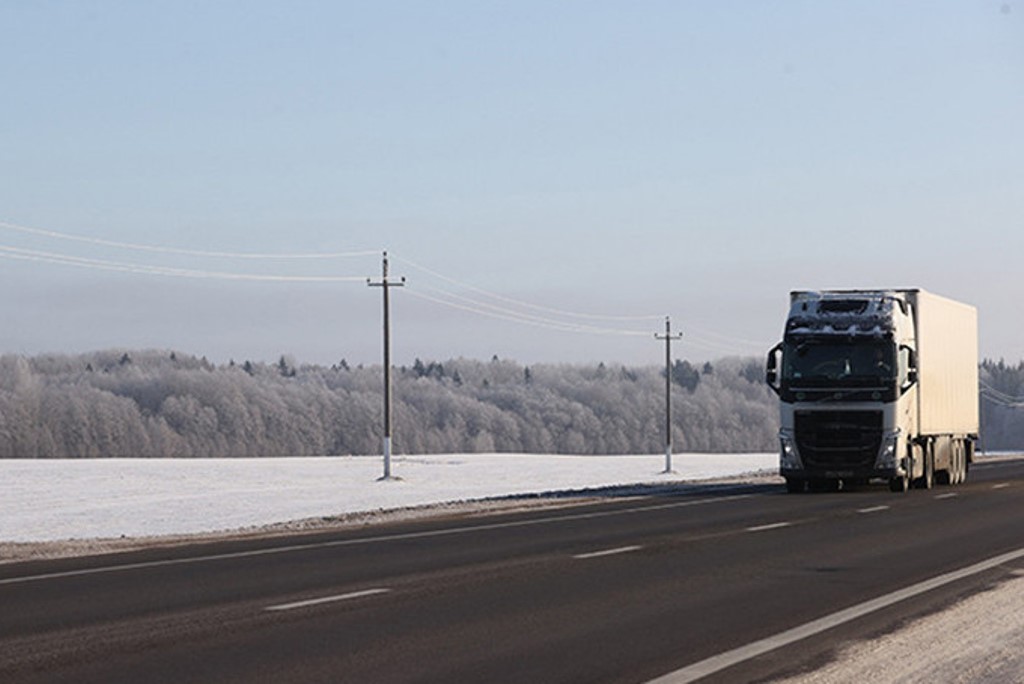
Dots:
pixel 957 461
pixel 927 479
pixel 956 467
pixel 961 461
pixel 795 485
pixel 947 476
pixel 899 484
pixel 968 459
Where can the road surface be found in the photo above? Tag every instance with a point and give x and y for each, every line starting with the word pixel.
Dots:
pixel 718 583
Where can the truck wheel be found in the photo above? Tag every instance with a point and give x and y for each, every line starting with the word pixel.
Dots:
pixel 794 485
pixel 927 479
pixel 899 484
pixel 961 473
pixel 947 476
pixel 956 465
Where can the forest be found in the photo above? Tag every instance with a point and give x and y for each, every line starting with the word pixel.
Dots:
pixel 120 403
pixel 1002 405
pixel 166 404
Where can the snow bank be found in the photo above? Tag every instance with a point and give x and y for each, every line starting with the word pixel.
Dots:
pixel 976 640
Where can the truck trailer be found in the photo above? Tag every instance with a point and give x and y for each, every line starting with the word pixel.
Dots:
pixel 876 384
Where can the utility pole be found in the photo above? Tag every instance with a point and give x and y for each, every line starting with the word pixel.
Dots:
pixel 668 337
pixel 386 286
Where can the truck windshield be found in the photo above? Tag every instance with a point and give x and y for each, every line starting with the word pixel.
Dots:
pixel 858 363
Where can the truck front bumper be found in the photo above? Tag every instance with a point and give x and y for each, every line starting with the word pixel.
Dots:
pixel 888 464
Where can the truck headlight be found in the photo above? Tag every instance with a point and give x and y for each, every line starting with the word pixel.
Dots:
pixel 888 455
pixel 789 459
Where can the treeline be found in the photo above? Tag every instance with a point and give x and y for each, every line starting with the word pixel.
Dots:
pixel 1002 405
pixel 165 404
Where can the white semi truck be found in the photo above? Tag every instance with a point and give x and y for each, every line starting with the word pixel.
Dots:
pixel 876 384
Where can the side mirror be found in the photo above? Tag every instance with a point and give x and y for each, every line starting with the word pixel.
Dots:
pixel 911 361
pixel 771 374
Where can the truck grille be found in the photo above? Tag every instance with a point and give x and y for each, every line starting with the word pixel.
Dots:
pixel 838 439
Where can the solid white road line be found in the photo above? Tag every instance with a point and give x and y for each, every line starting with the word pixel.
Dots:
pixel 329 599
pixel 607 552
pixel 721 661
pixel 772 526
pixel 1001 485
pixel 370 540
pixel 873 509
pixel 947 495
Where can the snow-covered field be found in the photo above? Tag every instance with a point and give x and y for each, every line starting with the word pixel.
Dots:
pixel 48 500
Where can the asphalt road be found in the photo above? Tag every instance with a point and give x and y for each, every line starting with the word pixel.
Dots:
pixel 624 590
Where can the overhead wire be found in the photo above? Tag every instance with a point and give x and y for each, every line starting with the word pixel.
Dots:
pixel 728 339
pixel 499 307
pixel 9 252
pixel 528 305
pixel 992 389
pixel 998 397
pixel 180 251
pixel 700 342
pixel 485 309
pixel 699 338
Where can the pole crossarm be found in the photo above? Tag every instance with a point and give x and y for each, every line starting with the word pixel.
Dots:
pixel 385 283
pixel 668 337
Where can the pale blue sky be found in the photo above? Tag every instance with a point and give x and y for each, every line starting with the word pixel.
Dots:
pixel 698 159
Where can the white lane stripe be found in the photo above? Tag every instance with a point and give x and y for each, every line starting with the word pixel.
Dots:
pixel 772 526
pixel 727 659
pixel 947 495
pixel 1001 485
pixel 367 540
pixel 873 509
pixel 329 599
pixel 607 552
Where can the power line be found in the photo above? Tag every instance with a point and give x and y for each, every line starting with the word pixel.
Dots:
pixel 527 305
pixel 9 252
pixel 515 317
pixel 176 250
pixel 468 304
pixel 994 396
pixel 985 386
pixel 729 339
pixel 700 342
pixel 523 314
pixel 1000 402
pixel 701 338
pixel 528 317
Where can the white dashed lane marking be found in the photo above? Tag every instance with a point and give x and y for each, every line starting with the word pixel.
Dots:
pixel 772 526
pixel 607 552
pixel 329 599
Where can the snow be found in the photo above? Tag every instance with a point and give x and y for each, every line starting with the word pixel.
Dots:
pixel 50 500
pixel 977 640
